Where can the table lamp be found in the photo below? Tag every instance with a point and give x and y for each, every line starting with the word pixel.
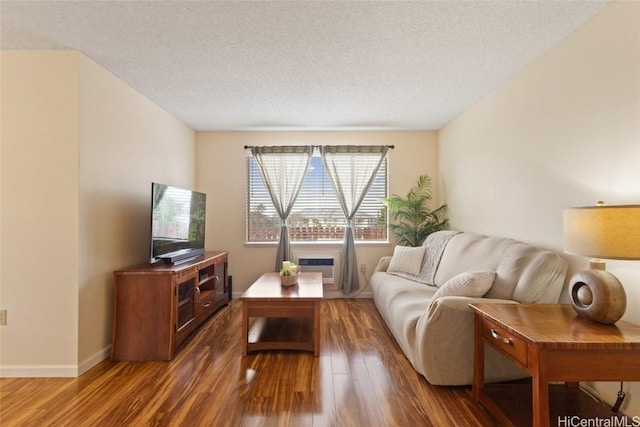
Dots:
pixel 609 232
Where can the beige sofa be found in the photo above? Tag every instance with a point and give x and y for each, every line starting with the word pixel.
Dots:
pixel 436 334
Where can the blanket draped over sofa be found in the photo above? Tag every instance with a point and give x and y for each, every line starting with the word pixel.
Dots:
pixel 426 305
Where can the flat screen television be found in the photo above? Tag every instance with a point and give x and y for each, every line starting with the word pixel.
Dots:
pixel 177 223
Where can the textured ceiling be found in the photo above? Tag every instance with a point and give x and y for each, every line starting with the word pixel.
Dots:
pixel 303 64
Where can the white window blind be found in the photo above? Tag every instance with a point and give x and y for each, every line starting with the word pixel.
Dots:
pixel 316 215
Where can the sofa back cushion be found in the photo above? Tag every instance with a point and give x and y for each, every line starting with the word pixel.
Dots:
pixel 524 273
pixel 473 284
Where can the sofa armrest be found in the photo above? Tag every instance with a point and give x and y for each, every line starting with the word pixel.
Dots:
pixel 445 335
pixel 383 264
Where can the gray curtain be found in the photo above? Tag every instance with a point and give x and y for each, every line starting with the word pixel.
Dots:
pixel 351 169
pixel 282 170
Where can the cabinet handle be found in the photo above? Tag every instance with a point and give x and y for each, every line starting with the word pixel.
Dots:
pixel 198 289
pixel 216 279
pixel 497 336
pixel 207 305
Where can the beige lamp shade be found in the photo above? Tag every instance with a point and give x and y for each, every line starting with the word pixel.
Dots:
pixel 609 232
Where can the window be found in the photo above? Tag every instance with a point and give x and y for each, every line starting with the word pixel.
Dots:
pixel 316 215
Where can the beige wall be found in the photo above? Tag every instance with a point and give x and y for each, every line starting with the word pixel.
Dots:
pixel 126 142
pixel 79 150
pixel 39 279
pixel 563 132
pixel 221 173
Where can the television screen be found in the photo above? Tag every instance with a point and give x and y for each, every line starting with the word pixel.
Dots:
pixel 177 223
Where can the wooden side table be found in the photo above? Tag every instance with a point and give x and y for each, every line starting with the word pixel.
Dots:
pixel 552 343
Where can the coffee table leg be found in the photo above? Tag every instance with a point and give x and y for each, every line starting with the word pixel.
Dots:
pixel 245 327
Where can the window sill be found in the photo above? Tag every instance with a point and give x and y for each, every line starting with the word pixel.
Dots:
pixel 315 243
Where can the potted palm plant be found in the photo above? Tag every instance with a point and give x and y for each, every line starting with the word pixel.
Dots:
pixel 414 219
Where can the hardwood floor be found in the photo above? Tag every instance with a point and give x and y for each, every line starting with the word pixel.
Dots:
pixel 360 379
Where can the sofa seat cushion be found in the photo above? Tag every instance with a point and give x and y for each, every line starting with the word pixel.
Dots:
pixel 401 304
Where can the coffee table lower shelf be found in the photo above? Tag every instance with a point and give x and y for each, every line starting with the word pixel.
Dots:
pixel 275 333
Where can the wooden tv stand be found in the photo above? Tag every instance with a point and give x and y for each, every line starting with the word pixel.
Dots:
pixel 157 306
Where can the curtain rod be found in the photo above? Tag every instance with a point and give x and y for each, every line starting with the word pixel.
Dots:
pixel 317 146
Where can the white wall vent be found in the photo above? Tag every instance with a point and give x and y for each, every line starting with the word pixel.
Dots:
pixel 322 260
pixel 326 266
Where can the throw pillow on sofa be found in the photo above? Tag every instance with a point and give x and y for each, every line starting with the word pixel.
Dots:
pixel 468 284
pixel 406 261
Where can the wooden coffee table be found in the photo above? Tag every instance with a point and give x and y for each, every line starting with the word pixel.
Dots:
pixel 286 317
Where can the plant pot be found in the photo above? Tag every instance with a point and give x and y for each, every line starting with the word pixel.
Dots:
pixel 289 280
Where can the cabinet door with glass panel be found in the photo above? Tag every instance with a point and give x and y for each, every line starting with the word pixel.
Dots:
pixel 185 307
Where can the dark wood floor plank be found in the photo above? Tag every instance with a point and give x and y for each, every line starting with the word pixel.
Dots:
pixel 361 379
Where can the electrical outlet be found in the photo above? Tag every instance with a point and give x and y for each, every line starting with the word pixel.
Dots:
pixel 3 317
pixel 363 268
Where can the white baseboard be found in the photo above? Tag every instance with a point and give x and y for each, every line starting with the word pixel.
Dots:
pixel 54 371
pixel 38 371
pixel 336 293
pixel 94 359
